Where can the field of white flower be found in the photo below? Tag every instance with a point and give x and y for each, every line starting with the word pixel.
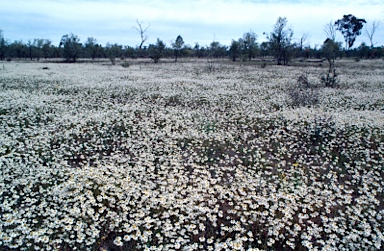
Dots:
pixel 191 156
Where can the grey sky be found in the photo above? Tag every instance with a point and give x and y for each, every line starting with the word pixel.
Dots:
pixel 199 21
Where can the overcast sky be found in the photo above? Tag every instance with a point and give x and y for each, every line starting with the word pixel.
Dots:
pixel 201 21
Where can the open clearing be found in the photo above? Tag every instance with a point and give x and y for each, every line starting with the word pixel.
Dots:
pixel 194 155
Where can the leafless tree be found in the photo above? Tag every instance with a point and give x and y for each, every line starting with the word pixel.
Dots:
pixel 303 40
pixel 369 32
pixel 142 32
pixel 330 30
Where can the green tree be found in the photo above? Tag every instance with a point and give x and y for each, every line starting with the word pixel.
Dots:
pixel 71 47
pixel 38 46
pixel 18 49
pixel 198 50
pixel 47 49
pixel 249 44
pixel 330 50
pixel 264 49
pixel 92 48
pixel 113 51
pixel 350 26
pixel 178 46
pixel 363 50
pixel 3 46
pixel 234 50
pixel 280 41
pixel 31 48
pixel 129 52
pixel 156 50
pixel 217 50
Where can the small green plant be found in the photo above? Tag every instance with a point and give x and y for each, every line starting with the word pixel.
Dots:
pixel 321 130
pixel 174 100
pixel 209 127
pixel 125 64
pixel 330 80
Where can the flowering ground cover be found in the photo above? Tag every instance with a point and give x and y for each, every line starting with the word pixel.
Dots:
pixel 191 156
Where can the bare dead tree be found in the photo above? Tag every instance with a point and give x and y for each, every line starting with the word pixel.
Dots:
pixel 330 30
pixel 369 32
pixel 142 32
pixel 303 40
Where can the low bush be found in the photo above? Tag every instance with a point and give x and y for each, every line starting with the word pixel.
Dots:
pixel 125 64
pixel 303 93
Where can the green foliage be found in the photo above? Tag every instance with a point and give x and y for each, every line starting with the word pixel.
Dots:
pixel 156 50
pixel 350 27
pixel 113 51
pixel 3 46
pixel 330 49
pixel 217 50
pixel 178 46
pixel 363 50
pixel 17 49
pixel 249 45
pixel 92 48
pixel 245 47
pixel 72 47
pixel 125 64
pixel 234 50
pixel 47 49
pixel 279 45
pixel 280 41
pixel 38 45
pixel 330 79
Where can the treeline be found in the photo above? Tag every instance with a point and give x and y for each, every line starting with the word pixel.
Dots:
pixel 279 46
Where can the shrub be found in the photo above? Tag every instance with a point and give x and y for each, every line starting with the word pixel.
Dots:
pixel 330 80
pixel 125 64
pixel 156 50
pixel 330 49
pixel 303 80
pixel 303 93
pixel 210 65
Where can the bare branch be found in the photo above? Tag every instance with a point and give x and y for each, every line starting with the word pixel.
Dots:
pixel 330 30
pixel 142 32
pixel 371 31
pixel 303 40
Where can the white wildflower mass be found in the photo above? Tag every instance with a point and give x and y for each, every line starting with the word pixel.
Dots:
pixel 174 157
